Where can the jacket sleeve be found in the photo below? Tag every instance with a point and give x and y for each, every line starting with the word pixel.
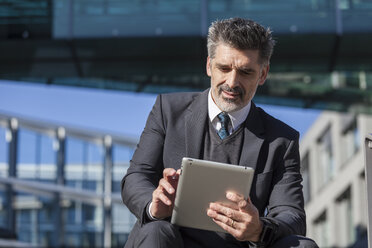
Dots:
pixel 146 166
pixel 286 203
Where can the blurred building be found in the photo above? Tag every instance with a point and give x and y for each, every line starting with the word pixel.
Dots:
pixel 323 49
pixel 333 163
pixel 61 186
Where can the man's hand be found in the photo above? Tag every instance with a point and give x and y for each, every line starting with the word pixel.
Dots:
pixel 164 195
pixel 240 217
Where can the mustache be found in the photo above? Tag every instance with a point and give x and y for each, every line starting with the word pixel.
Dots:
pixel 235 90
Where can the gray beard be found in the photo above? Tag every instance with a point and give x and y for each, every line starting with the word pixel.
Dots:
pixel 228 105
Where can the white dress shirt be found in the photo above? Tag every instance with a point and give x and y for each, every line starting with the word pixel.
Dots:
pixel 236 117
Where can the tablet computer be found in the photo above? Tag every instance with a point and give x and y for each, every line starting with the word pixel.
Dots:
pixel 202 182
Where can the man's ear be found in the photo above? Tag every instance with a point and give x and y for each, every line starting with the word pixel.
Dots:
pixel 208 66
pixel 263 74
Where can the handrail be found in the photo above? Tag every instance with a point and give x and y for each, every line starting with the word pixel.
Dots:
pixel 48 189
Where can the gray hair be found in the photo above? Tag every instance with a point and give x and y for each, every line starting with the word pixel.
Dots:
pixel 241 34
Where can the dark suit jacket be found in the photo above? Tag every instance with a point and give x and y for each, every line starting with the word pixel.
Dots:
pixel 175 129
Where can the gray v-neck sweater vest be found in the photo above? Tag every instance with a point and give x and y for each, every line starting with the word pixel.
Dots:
pixel 227 150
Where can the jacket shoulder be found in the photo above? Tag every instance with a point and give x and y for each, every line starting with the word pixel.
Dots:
pixel 176 103
pixel 179 97
pixel 277 128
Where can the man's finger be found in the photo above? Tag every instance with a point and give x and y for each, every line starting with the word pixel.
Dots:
pixel 164 184
pixel 169 172
pixel 244 205
pixel 225 210
pixel 234 197
pixel 224 219
pixel 159 195
pixel 227 228
pixel 235 214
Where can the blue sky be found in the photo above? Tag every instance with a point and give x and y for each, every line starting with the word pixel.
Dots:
pixel 105 110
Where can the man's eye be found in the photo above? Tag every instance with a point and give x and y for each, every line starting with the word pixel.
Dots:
pixel 224 69
pixel 246 72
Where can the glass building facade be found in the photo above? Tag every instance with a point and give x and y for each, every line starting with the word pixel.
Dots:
pixel 191 18
pixel 322 54
pixel 61 187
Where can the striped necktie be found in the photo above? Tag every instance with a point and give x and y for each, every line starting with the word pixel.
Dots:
pixel 224 120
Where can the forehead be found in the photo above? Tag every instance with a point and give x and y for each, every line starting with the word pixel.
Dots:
pixel 226 54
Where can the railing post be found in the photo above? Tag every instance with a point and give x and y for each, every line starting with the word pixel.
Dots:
pixel 107 200
pixel 368 164
pixel 59 146
pixel 12 139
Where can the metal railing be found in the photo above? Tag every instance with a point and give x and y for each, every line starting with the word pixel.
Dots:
pixel 368 149
pixel 55 188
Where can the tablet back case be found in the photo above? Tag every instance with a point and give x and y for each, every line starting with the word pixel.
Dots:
pixel 202 182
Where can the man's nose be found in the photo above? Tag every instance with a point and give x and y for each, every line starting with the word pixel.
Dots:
pixel 232 79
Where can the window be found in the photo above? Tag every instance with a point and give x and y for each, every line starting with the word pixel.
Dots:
pixel 46 215
pixel 3 206
pixel 122 219
pixel 3 153
pixel 322 230
pixel 345 219
pixel 94 165
pixel 84 165
pixel 351 141
pixel 83 223
pixel 83 170
pixel 75 160
pixel 361 229
pixel 326 167
pixel 92 217
pixel 306 177
pixel 125 222
pixel 121 157
pixel 36 156
pixel 34 217
pixel 26 155
pixel 107 18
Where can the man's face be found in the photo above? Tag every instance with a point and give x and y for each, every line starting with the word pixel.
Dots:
pixel 235 75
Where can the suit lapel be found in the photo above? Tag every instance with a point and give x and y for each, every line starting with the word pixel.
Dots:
pixel 195 122
pixel 253 139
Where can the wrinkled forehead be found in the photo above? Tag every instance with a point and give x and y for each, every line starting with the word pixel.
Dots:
pixel 251 50
pixel 225 54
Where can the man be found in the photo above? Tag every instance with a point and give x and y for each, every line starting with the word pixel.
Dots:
pixel 223 125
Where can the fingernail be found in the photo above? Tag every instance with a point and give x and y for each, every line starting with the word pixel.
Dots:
pixel 171 190
pixel 229 195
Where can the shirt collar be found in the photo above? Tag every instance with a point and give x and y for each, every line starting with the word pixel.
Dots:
pixel 236 117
